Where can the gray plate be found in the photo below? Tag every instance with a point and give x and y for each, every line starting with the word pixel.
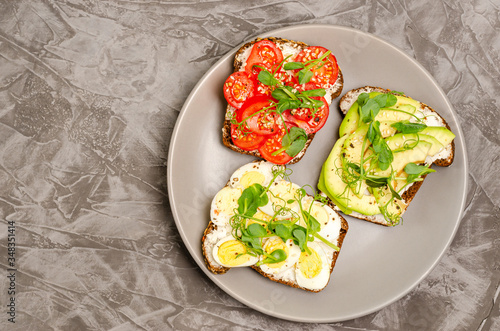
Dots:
pixel 377 265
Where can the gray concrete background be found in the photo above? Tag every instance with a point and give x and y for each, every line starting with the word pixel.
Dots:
pixel 89 96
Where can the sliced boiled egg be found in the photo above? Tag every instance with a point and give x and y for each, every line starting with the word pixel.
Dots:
pixel 230 253
pixel 283 199
pixel 260 172
pixel 317 210
pixel 259 216
pixel 331 230
pixel 291 249
pixel 327 218
pixel 312 270
pixel 223 205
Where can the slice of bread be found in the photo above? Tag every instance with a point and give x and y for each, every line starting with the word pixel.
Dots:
pixel 444 158
pixel 219 228
pixel 288 47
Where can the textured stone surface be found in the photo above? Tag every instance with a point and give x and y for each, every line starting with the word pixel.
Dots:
pixel 89 96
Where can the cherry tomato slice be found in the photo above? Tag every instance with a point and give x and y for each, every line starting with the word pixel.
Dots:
pixel 245 139
pixel 264 51
pixel 285 77
pixel 306 87
pixel 238 88
pixel 315 119
pixel 259 87
pixel 273 144
pixel 289 78
pixel 294 121
pixel 260 115
pixel 323 75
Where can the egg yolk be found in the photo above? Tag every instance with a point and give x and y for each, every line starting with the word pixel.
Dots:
pixel 273 244
pixel 252 177
pixel 227 200
pixel 233 253
pixel 318 212
pixel 310 264
pixel 259 215
pixel 282 193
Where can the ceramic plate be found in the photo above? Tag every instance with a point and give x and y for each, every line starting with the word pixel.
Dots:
pixel 377 265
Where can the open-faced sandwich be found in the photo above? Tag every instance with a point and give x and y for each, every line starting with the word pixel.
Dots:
pixel 387 144
pixel 263 221
pixel 278 97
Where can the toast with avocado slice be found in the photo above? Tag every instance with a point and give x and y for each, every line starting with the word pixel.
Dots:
pixel 388 142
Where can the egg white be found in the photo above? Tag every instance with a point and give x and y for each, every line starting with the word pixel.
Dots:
pixel 292 250
pixel 331 230
pixel 280 192
pixel 319 280
pixel 328 219
pixel 223 205
pixel 260 172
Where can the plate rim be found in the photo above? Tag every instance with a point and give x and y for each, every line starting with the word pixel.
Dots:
pixel 170 175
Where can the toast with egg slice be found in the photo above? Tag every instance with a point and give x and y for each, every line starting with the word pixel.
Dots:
pixel 288 47
pixel 304 268
pixel 435 122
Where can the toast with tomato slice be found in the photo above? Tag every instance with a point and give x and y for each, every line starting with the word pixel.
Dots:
pixel 278 122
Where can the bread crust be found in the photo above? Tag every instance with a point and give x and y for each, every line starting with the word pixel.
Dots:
pixel 409 194
pixel 238 66
pixel 216 269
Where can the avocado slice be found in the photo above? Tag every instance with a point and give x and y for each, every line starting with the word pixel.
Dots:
pixel 402 110
pixel 442 134
pixel 386 129
pixel 351 120
pixel 366 204
pixel 399 140
pixel 396 113
pixel 416 155
pixel 353 144
pixel 352 150
pixel 322 188
pixel 394 208
pixel 402 100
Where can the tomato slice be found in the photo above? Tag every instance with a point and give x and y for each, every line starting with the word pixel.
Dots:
pixel 238 87
pixel 289 78
pixel 323 75
pixel 285 77
pixel 273 144
pixel 260 115
pixel 312 120
pixel 245 139
pixel 265 52
pixel 259 87
pixel 290 119
pixel 305 87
